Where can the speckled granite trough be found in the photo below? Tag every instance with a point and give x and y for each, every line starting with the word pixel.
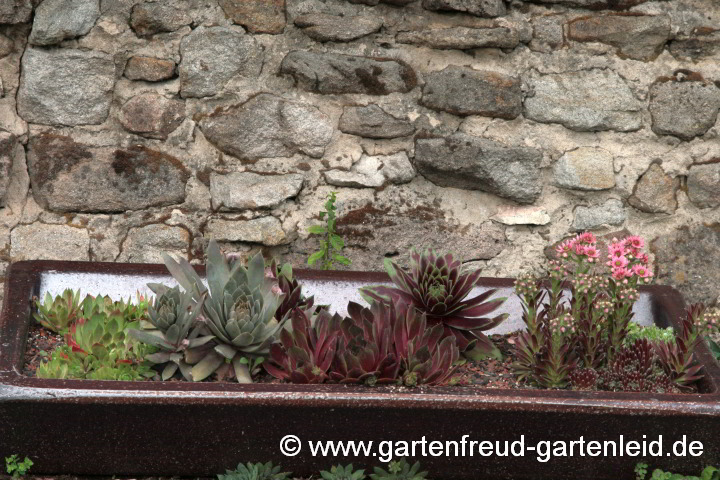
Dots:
pixel 178 428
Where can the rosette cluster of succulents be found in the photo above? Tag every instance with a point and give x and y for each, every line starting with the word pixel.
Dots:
pixel 97 345
pixel 238 306
pixel 250 316
pixel 439 287
pixel 387 343
pixel 172 330
pixel 57 314
pixel 417 330
pixel 578 324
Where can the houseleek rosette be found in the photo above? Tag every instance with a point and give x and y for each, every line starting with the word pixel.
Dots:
pixel 57 314
pixel 172 328
pixel 239 310
pixel 437 286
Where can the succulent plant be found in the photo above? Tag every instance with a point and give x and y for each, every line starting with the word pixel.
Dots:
pixel 676 357
pixel 255 471
pixel 584 378
pixel 64 363
pixel 633 368
pixel 239 311
pixel 588 339
pixel 557 362
pixel 338 472
pixel 427 357
pixel 307 349
pixel 98 347
pixel 529 343
pixel 437 286
pixel 104 336
pixel 366 352
pixel 386 343
pixel 651 332
pixel 57 314
pixel 173 330
pixel 291 288
pixel 104 305
pixel 399 470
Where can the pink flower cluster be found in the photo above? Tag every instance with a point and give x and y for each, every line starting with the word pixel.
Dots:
pixel 626 259
pixel 709 322
pixel 582 246
pixel 562 325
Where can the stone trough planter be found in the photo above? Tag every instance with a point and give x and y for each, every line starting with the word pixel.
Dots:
pixel 191 429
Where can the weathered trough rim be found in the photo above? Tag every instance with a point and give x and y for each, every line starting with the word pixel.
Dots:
pixel 23 281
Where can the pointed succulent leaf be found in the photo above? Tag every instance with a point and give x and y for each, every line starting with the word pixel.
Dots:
pixel 207 366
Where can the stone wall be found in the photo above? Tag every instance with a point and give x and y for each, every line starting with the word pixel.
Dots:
pixel 486 127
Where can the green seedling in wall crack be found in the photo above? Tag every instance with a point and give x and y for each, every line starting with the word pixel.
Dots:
pixel 331 244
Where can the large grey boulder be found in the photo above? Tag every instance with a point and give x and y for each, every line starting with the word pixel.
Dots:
pixel 464 161
pixel 688 258
pixel 461 38
pixel 152 115
pixel 372 121
pixel 334 28
pixel 65 87
pixel 685 109
pixel 264 230
pixel 336 73
pixel 258 16
pixel 211 56
pixel 68 176
pixel 480 8
pixel 640 37
pixel 587 100
pixel 269 126
pixel 7 46
pixel 149 69
pixel 463 32
pixel 158 17
pixel 464 91
pixel 148 243
pixel 39 241
pixel 547 32
pixel 15 11
pixel 585 168
pixel 654 191
pixel 703 185
pixel 58 20
pixel 247 190
pixel 612 212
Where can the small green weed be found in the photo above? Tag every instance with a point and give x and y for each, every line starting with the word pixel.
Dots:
pixel 17 468
pixel 331 243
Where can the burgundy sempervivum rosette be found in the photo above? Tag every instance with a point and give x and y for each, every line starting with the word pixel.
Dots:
pixel 438 287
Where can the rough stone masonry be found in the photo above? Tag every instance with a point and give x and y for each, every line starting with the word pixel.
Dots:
pixel 490 128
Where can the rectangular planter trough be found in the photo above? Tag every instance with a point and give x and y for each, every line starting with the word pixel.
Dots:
pixel 180 428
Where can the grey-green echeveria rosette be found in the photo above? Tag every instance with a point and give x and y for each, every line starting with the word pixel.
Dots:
pixel 239 311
